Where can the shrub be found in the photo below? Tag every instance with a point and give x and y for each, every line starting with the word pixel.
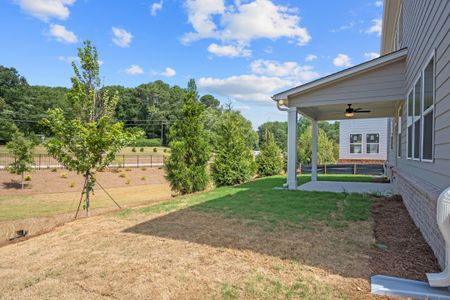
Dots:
pixel 155 150
pixel 53 170
pixel 143 177
pixel 269 161
pixel 127 169
pixel 72 184
pixel 128 181
pixel 133 149
pixel 143 168
pixel 165 150
pixel 141 149
pixel 27 178
pixel 147 143
pixel 64 175
pixel 122 175
pixel 115 170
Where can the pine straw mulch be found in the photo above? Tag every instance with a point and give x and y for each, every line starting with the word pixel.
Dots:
pixel 400 250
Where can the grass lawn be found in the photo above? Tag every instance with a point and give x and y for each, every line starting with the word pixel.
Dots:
pixel 241 242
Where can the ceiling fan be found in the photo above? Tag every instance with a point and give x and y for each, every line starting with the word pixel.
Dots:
pixel 350 112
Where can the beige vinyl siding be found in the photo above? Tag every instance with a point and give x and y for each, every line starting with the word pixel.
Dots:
pixel 426 29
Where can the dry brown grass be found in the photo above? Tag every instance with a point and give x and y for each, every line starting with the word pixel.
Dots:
pixel 187 255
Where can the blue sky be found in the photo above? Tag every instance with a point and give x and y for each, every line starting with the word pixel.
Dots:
pixel 240 51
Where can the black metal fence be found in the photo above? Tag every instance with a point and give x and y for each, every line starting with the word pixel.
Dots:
pixel 356 169
pixel 44 161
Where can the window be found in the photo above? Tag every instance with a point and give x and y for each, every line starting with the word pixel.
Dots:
pixel 399 131
pixel 410 124
pixel 417 117
pixel 372 143
pixel 355 143
pixel 427 111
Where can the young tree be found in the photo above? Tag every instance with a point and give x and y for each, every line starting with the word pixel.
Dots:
pixel 233 162
pixel 22 150
pixel 186 167
pixel 91 141
pixel 269 161
pixel 328 151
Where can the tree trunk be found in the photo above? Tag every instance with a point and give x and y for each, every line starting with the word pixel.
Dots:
pixel 22 181
pixel 88 190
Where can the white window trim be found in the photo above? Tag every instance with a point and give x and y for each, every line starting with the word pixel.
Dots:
pixel 419 120
pixel 431 108
pixel 366 143
pixel 410 92
pixel 350 144
pixel 399 132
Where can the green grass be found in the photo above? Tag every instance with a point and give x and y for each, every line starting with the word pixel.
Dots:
pixel 257 202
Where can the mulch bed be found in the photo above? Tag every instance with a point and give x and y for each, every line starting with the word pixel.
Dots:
pixel 400 248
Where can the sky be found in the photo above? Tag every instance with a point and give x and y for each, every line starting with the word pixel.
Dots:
pixel 241 51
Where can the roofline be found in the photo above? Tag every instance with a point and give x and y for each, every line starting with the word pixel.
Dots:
pixel 365 66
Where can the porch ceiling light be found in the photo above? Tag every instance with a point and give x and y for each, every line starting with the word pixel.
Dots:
pixel 283 102
pixel 349 114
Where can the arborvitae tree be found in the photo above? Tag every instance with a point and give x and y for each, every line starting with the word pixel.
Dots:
pixel 233 162
pixel 22 150
pixel 186 168
pixel 269 161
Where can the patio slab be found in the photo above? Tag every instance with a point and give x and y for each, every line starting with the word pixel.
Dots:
pixel 349 187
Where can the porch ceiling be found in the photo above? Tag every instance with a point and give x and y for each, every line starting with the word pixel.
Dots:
pixel 377 85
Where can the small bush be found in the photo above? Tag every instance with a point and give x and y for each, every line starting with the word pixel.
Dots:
pixel 122 175
pixel 147 143
pixel 127 169
pixel 53 170
pixel 270 160
pixel 64 175
pixel 155 150
pixel 27 178
pixel 128 181
pixel 141 149
pixel 143 168
pixel 143 177
pixel 165 150
pixel 133 149
pixel 72 184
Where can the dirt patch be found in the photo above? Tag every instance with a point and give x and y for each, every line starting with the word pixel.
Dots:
pixel 61 180
pixel 400 249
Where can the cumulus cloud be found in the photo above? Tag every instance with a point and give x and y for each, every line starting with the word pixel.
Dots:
pixel 155 7
pixel 379 3
pixel 134 70
pixel 168 72
pixel 371 55
pixel 290 70
pixel 243 87
pixel 243 22
pixel 229 50
pixel 61 34
pixel 311 57
pixel 121 37
pixel 342 60
pixel 46 9
pixel 376 27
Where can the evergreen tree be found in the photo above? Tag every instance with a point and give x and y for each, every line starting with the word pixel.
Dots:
pixel 186 167
pixel 233 163
pixel 327 150
pixel 269 161
pixel 22 150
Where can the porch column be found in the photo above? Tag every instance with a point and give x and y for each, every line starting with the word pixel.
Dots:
pixel 315 133
pixel 292 149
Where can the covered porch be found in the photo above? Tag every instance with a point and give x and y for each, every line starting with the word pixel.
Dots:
pixel 376 86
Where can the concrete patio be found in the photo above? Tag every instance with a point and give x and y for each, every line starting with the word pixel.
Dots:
pixel 349 187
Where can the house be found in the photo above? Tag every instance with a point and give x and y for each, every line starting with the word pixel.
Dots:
pixel 363 140
pixel 408 83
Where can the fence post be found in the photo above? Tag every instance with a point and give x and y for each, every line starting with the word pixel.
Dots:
pixel 151 161
pixel 325 168
pixel 354 169
pixel 137 160
pixel 39 166
pixel 123 160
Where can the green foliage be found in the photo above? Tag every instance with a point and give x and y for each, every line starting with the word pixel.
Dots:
pixel 210 101
pixel 269 161
pixel 186 166
pixel 147 142
pixel 22 150
pixel 279 132
pixel 327 149
pixel 233 162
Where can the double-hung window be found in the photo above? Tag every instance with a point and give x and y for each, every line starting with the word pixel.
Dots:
pixel 399 131
pixel 372 143
pixel 417 117
pixel 427 111
pixel 356 143
pixel 410 124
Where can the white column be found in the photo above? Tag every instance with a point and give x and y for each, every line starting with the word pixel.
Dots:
pixel 292 149
pixel 315 134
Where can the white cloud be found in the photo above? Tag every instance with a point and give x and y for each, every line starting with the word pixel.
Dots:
pixel 155 7
pixel 376 27
pixel 311 57
pixel 169 72
pixel 229 50
pixel 244 87
pixel 371 55
pixel 46 9
pixel 61 34
pixel 243 22
pixel 342 60
pixel 347 26
pixel 122 38
pixel 134 70
pixel 379 3
pixel 289 70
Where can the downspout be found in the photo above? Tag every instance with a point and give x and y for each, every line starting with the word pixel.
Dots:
pixel 283 102
pixel 443 219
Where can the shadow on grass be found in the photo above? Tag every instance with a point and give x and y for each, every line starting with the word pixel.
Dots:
pixel 14 184
pixel 327 230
